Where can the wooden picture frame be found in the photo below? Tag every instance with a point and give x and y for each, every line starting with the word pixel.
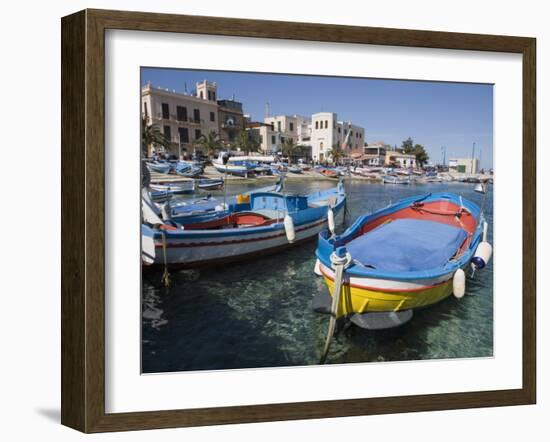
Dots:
pixel 83 220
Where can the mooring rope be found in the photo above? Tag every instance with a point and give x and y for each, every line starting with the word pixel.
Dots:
pixel 166 275
pixel 339 263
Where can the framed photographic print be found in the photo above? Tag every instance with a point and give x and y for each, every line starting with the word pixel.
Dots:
pixel 268 221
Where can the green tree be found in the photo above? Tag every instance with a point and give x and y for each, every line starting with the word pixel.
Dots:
pixel 422 156
pixel 289 148
pixel 152 136
pixel 407 146
pixel 209 144
pixel 246 143
pixel 337 153
pixel 417 150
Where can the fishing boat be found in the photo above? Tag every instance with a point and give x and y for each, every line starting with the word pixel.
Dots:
pixel 329 173
pixel 159 167
pixel 391 179
pixel 294 169
pixel 408 255
pixel 190 172
pixel 254 225
pixel 225 163
pixel 209 184
pixel 181 188
pixel 203 209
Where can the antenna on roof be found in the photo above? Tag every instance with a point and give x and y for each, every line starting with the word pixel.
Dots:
pixel 185 87
pixel 267 109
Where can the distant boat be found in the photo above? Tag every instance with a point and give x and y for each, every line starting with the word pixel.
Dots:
pixel 233 165
pixel 328 172
pixel 204 209
pixel 256 224
pixel 209 184
pixel 190 172
pixel 159 167
pixel 390 179
pixel 405 256
pixel 180 188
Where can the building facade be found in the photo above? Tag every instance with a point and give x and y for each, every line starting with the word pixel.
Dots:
pixel 181 118
pixel 464 165
pixel 184 118
pixel 326 131
pixel 396 158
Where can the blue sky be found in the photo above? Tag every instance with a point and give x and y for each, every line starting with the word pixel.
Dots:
pixel 434 114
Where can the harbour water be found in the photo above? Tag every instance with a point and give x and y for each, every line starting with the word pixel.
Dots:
pixel 258 313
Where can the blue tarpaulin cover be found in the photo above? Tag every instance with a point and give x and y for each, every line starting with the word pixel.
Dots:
pixel 407 245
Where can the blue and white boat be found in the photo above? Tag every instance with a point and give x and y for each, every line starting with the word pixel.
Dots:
pixel 159 167
pixel 209 184
pixel 233 165
pixel 254 225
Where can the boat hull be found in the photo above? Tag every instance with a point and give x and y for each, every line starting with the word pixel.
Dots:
pixel 363 295
pixel 371 285
pixel 196 251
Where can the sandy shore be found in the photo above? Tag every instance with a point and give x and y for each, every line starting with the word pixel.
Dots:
pixel 212 173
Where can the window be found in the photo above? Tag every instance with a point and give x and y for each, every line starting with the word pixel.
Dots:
pixel 181 113
pixel 272 139
pixel 197 115
pixel 350 133
pixel 321 146
pixel 145 109
pixel 212 116
pixel 167 132
pixel 197 134
pixel 339 130
pixel 184 134
pixel 213 96
pixel 316 125
pixel 291 125
pixel 209 95
pixel 279 126
pixel 326 124
pixel 201 94
pixel 272 126
pixel 165 111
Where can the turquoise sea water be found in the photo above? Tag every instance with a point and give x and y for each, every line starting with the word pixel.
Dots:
pixel 258 313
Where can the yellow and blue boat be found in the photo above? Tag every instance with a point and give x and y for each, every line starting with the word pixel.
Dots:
pixel 408 255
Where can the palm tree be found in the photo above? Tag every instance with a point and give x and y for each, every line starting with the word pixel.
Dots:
pixel 336 153
pixel 288 148
pixel 209 143
pixel 152 136
pixel 246 143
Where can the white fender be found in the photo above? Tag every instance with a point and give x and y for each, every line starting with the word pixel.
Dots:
pixel 317 268
pixel 289 228
pixel 459 283
pixel 330 219
pixel 482 255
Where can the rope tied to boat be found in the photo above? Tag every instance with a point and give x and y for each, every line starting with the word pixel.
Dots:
pixel 419 207
pixel 340 259
pixel 166 275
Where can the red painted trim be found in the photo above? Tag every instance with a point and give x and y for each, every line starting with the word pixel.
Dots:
pixel 239 241
pixel 380 289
